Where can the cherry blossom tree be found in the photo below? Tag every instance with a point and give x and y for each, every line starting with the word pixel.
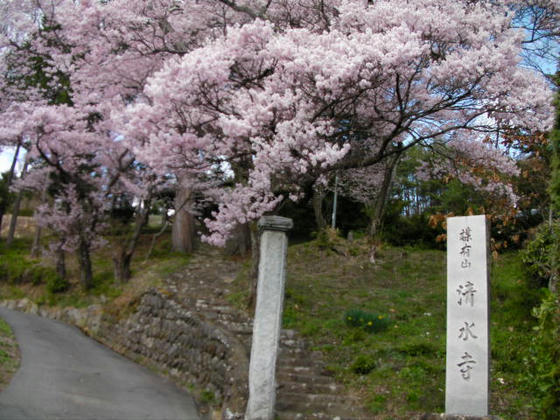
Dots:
pixel 88 167
pixel 128 42
pixel 274 94
pixel 539 20
pixel 283 98
pixel 371 186
pixel 554 190
pixel 69 156
pixel 487 174
pixel 474 162
pixel 27 79
pixel 133 183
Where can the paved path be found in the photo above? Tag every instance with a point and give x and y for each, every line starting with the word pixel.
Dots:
pixel 65 375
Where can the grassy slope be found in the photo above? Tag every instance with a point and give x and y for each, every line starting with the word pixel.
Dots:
pixel 405 363
pixel 23 276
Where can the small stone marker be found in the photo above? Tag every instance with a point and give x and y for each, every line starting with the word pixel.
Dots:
pixel 268 317
pixel 467 362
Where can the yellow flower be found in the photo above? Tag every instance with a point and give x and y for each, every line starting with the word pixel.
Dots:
pixel 349 318
pixel 380 317
pixel 370 323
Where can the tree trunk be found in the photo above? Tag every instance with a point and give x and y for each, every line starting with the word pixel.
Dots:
pixel 182 231
pixel 123 259
pixel 555 261
pixel 373 239
pixel 9 179
pixel 35 248
pixel 16 208
pixel 335 203
pixel 318 196
pixel 240 242
pixel 121 266
pixel 60 263
pixel 84 259
pixel 378 207
pixel 553 282
pixel 13 219
pixel 164 217
pixel 254 273
pixel 154 239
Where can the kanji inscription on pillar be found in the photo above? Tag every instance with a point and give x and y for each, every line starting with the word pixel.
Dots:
pixel 467 361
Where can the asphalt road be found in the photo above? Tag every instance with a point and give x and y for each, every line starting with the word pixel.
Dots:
pixel 65 375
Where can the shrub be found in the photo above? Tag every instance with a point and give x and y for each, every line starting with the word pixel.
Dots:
pixel 18 269
pixel 328 237
pixel 413 230
pixel 41 274
pixel 537 257
pixel 57 284
pixel 370 322
pixel 363 364
pixel 543 363
pixel 354 336
pixel 208 397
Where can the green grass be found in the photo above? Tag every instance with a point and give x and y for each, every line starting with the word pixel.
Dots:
pixel 402 369
pixel 23 276
pixel 17 267
pixel 9 354
pixel 398 369
pixel 5 329
pixel 511 331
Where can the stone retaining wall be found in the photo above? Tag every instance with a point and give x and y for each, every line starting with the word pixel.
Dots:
pixel 172 338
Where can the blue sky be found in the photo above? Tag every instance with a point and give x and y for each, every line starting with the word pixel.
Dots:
pixel 6 156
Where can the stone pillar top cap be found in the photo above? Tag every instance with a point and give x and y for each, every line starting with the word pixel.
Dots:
pixel 275 223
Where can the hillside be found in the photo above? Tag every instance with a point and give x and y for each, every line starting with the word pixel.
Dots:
pixel 395 370
pixel 401 369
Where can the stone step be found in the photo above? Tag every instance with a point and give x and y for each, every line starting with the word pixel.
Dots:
pixel 292 415
pixel 317 399
pixel 292 343
pixel 309 387
pixel 287 376
pixel 296 369
pixel 317 404
pixel 301 361
pixel 288 333
pixel 296 352
pixel 305 390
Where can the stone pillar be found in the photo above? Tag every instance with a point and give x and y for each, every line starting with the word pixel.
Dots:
pixel 268 317
pixel 468 347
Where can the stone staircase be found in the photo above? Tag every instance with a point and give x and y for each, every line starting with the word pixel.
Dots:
pixel 305 388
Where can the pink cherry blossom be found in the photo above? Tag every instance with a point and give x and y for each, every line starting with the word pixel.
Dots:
pixel 268 96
